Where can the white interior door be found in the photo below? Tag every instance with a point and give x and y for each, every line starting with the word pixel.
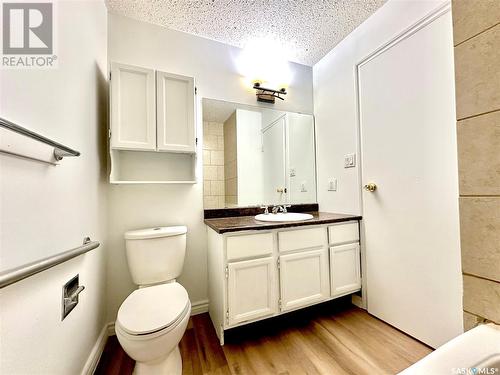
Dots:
pixel 133 118
pixel 251 290
pixel 303 278
pixel 175 112
pixel 408 140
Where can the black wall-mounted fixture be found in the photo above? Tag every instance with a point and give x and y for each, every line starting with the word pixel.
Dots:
pixel 268 95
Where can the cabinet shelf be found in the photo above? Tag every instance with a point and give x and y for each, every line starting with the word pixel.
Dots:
pixel 146 167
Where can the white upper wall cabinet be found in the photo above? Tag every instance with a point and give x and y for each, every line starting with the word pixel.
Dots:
pixel 133 115
pixel 152 110
pixel 152 130
pixel 175 112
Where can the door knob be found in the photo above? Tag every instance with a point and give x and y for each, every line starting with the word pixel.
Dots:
pixel 371 187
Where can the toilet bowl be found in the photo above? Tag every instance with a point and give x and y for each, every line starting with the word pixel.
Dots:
pixel 152 319
pixel 150 325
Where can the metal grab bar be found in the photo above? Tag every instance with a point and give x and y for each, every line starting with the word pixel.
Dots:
pixel 60 150
pixel 14 275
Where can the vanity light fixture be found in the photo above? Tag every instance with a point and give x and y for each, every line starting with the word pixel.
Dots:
pixel 263 73
pixel 268 95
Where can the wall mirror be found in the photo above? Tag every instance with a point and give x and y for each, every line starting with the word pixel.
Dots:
pixel 254 156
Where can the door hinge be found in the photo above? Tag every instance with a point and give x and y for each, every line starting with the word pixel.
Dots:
pixel 227 272
pixel 110 76
pixel 109 133
pixel 227 316
pixel 280 304
pixel 278 263
pixel 195 90
pixel 196 140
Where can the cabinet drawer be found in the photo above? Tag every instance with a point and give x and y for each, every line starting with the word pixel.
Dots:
pixel 251 245
pixel 343 233
pixel 301 239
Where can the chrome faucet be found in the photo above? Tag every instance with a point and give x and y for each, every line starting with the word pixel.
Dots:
pixel 280 208
pixel 266 209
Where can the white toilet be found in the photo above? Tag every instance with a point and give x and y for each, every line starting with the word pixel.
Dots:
pixel 152 320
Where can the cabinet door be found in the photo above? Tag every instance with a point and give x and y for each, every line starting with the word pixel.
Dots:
pixel 133 116
pixel 175 112
pixel 251 286
pixel 345 269
pixel 303 278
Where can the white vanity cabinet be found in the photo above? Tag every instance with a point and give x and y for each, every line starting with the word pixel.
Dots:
pixel 303 267
pixel 303 279
pixel 345 263
pixel 250 290
pixel 251 277
pixel 254 275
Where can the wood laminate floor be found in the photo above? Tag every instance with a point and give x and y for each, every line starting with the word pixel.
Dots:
pixel 328 339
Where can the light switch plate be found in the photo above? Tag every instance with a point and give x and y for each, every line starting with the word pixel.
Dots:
pixel 350 161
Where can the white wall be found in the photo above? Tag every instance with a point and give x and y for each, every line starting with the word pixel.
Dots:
pixel 335 99
pixel 47 209
pixel 213 66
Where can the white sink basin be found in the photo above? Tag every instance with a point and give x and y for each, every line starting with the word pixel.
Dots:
pixel 289 216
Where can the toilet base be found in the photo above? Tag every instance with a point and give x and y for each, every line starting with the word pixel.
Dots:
pixel 172 365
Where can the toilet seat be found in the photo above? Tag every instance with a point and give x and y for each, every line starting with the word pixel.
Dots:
pixel 154 308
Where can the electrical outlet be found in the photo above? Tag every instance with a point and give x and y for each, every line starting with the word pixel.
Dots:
pixel 350 161
pixel 332 184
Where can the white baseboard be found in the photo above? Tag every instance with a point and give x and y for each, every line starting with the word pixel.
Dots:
pixel 199 307
pixel 357 301
pixel 96 352
pixel 111 329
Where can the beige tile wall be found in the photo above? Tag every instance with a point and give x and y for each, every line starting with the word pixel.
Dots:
pixel 213 165
pixel 476 31
pixel 230 157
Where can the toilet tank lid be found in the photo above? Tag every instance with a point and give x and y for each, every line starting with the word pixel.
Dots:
pixel 155 232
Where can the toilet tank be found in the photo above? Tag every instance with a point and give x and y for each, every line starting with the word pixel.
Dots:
pixel 155 255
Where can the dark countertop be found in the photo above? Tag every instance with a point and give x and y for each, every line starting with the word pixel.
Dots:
pixel 240 223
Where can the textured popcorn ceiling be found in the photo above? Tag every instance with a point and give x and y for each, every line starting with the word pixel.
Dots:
pixel 308 29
